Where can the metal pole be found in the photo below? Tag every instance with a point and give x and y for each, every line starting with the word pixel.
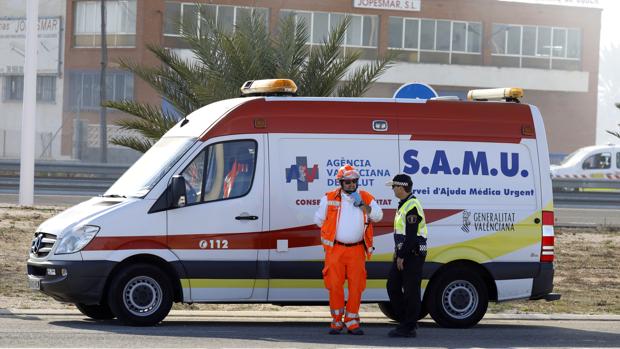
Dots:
pixel 29 106
pixel 103 124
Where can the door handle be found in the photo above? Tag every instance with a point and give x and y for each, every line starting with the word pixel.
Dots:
pixel 246 218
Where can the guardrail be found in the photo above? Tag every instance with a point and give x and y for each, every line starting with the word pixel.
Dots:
pixel 586 192
pixel 62 177
pixel 574 184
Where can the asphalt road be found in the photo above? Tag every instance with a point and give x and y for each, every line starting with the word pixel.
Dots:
pixel 285 330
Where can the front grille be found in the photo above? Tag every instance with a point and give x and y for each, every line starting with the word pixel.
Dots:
pixel 42 244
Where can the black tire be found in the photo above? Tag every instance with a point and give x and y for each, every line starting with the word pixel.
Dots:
pixel 140 295
pixel 96 311
pixel 387 310
pixel 457 298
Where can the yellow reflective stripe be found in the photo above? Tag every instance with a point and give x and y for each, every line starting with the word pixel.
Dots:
pixel 224 283
pixel 327 242
pixel 273 283
pixel 352 315
pixel 296 283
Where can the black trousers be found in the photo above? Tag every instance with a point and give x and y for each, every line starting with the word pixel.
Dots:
pixel 404 290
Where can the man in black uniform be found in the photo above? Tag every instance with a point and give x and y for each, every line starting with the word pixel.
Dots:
pixel 405 276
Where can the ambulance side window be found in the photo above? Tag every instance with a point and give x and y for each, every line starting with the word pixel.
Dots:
pixel 230 170
pixel 228 173
pixel 597 162
pixel 618 160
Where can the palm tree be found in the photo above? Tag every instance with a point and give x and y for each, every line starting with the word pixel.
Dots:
pixel 225 60
pixel 617 134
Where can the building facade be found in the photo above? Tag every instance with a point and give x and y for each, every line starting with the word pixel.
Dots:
pixel 548 47
pixel 50 77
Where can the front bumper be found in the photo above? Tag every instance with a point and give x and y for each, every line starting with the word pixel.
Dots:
pixel 84 281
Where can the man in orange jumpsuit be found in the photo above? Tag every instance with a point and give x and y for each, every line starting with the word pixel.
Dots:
pixel 345 216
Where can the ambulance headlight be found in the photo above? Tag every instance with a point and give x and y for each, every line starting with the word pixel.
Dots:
pixel 76 239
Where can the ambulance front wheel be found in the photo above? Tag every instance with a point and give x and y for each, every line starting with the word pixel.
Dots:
pixel 457 299
pixel 96 311
pixel 140 295
pixel 387 310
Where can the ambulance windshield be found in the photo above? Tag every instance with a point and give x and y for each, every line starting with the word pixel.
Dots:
pixel 150 168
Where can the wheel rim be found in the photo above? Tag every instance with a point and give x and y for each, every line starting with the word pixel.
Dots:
pixel 460 299
pixel 142 296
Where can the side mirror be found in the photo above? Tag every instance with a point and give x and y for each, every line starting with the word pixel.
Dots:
pixel 178 194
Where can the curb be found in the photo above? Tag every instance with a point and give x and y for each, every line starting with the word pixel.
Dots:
pixel 316 315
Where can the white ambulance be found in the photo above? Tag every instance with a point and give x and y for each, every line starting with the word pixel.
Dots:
pixel 593 162
pixel 220 210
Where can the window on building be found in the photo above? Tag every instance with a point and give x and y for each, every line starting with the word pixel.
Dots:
pixel 180 15
pixel 120 23
pixel 439 41
pixel 14 88
pixel 84 88
pixel 362 33
pixel 536 47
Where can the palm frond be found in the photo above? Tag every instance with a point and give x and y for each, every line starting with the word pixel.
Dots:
pixel 363 77
pixel 150 122
pixel 290 48
pixel 179 89
pixel 135 143
pixel 326 63
pixel 613 133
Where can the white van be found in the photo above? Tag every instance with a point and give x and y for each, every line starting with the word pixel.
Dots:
pixel 220 210
pixel 596 161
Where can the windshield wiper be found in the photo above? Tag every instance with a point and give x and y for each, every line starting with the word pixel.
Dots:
pixel 114 196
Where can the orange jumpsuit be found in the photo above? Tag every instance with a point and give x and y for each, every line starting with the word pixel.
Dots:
pixel 345 261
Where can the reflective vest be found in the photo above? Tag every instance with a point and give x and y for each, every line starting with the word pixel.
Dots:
pixel 401 214
pixel 328 230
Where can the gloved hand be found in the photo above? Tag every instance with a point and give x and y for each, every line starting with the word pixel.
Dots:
pixel 357 199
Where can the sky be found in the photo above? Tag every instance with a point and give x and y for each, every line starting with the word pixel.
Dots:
pixel 608 116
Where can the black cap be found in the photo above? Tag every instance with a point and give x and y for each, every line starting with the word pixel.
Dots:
pixel 402 180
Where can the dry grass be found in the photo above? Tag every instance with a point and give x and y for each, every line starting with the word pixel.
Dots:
pixel 587 270
pixel 587 274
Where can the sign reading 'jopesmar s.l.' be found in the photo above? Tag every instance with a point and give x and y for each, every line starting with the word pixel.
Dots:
pixel 574 3
pixel 398 5
pixel 13 42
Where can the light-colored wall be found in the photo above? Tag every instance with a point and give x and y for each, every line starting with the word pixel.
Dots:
pixel 48 114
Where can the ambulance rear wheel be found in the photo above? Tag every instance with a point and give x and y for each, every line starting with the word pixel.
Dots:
pixel 457 299
pixel 96 311
pixel 140 295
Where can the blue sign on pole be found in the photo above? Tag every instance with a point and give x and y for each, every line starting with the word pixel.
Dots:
pixel 415 90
